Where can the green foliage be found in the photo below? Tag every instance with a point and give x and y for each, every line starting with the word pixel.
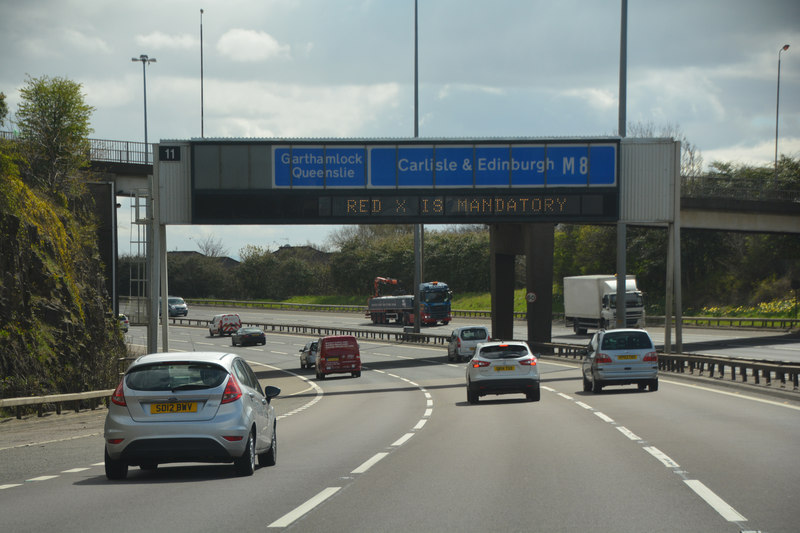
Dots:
pixel 56 334
pixel 3 109
pixel 53 121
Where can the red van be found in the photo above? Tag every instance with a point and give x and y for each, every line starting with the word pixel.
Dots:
pixel 338 354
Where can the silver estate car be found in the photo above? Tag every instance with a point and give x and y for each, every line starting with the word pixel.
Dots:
pixel 620 357
pixel 190 407
pixel 502 367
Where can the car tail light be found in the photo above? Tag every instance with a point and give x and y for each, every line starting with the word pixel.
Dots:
pixel 602 358
pixel 650 357
pixel 458 343
pixel 477 363
pixel 528 362
pixel 232 438
pixel 232 391
pixel 115 441
pixel 119 396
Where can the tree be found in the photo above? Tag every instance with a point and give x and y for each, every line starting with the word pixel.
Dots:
pixel 3 109
pixel 212 247
pixel 691 158
pixel 53 122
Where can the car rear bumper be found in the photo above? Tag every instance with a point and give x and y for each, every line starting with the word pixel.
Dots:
pixel 502 386
pixel 177 450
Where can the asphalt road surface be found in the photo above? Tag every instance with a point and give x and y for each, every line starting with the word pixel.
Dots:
pixel 400 449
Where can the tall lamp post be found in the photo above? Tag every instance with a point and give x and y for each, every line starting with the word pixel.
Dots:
pixel 777 104
pixel 145 61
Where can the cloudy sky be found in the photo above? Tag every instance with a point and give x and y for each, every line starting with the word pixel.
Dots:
pixel 345 68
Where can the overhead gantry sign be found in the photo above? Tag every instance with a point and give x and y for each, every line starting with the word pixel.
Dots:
pixel 399 181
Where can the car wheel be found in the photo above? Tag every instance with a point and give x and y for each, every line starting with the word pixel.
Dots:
pixel 270 457
pixel 149 466
pixel 210 333
pixel 302 364
pixel 246 464
pixel 641 386
pixel 654 385
pixel 472 397
pixel 115 469
pixel 596 387
pixel 356 374
pixel 587 385
pixel 534 395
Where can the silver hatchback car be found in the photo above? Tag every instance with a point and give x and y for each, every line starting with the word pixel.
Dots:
pixel 620 357
pixel 190 407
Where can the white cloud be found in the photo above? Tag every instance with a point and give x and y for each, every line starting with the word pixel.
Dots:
pixel 761 154
pixel 251 46
pixel 601 99
pixel 268 109
pixel 162 41
pixel 85 42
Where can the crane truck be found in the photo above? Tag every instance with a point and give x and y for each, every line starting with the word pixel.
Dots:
pixel 434 307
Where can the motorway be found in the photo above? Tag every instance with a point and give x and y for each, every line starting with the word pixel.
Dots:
pixel 400 449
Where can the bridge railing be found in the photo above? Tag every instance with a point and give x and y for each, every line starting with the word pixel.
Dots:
pixel 109 151
pixel 756 188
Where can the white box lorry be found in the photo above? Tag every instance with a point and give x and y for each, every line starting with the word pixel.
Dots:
pixel 590 302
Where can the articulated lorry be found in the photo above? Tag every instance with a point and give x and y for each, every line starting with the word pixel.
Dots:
pixel 591 302
pixel 434 306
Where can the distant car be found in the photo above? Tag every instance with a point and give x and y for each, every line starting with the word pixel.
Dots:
pixel 620 357
pixel 338 354
pixel 224 324
pixel 248 335
pixel 500 367
pixel 308 354
pixel 176 306
pixel 463 341
pixel 124 323
pixel 190 407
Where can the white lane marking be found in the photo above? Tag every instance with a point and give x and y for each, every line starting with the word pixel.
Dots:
pixel 584 405
pixel 628 433
pixel 291 516
pixel 74 470
pixel 311 385
pixel 548 388
pixel 565 396
pixel 41 478
pixel 661 456
pixel 9 486
pixel 366 465
pixel 604 417
pixel 427 413
pixel 402 440
pixel 420 424
pixel 718 504
pixel 735 395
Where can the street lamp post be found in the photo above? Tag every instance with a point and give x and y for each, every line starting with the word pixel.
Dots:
pixel 777 104
pixel 145 61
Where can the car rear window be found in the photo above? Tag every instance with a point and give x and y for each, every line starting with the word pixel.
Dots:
pixel 632 340
pixel 503 351
pixel 474 334
pixel 174 376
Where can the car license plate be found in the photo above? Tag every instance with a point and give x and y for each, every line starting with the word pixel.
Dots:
pixel 173 407
pixel 333 359
pixel 503 368
pixel 620 357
